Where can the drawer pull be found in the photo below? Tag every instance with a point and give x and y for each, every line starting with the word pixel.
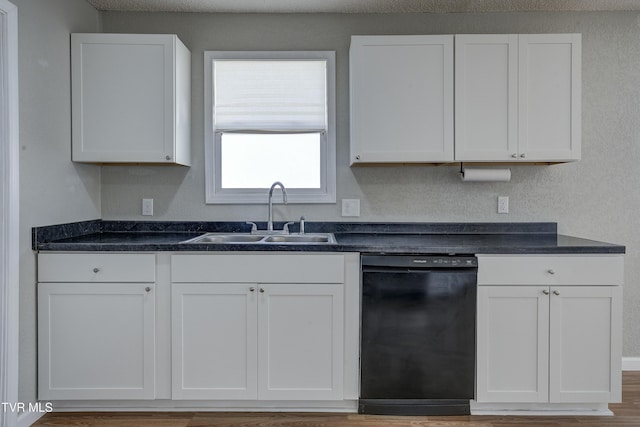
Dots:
pixel 552 272
pixel 252 289
pixel 147 289
pixel 556 292
pixel 546 292
pixel 261 291
pixel 96 270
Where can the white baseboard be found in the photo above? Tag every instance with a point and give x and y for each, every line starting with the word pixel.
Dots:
pixel 631 363
pixel 26 419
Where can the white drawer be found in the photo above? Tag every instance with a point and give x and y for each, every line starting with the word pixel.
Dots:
pixel 96 267
pixel 551 270
pixel 258 268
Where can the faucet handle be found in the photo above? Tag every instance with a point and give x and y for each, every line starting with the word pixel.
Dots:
pixel 254 227
pixel 302 220
pixel 285 229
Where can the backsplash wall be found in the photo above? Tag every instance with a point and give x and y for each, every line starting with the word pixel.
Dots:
pixel 594 198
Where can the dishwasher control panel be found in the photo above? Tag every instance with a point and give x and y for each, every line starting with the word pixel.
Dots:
pixel 421 261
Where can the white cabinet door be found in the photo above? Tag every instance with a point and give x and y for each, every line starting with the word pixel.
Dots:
pixel 130 98
pixel 401 99
pixel 300 342
pixel 559 344
pixel 518 98
pixel 96 341
pixel 486 107
pixel 585 344
pixel 549 97
pixel 214 338
pixel 513 344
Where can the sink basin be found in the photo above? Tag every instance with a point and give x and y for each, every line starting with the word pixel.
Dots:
pixel 301 238
pixel 225 238
pixel 245 238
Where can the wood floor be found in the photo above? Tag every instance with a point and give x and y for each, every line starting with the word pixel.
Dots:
pixel 626 413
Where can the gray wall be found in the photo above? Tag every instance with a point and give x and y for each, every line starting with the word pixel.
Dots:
pixel 596 198
pixel 52 189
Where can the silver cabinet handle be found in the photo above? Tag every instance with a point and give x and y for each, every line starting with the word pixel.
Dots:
pixel 514 155
pixel 147 289
pixel 252 289
pixel 522 156
pixel 357 156
pixel 556 292
pixel 96 270
pixel 546 292
pixel 552 272
pixel 168 157
pixel 261 290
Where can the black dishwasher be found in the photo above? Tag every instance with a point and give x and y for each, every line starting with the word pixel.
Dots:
pixel 417 349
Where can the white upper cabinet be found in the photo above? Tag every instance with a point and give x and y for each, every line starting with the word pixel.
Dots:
pixel 550 93
pixel 486 104
pixel 401 99
pixel 130 98
pixel 518 98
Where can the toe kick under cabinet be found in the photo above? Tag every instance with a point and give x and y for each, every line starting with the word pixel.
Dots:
pixel 549 330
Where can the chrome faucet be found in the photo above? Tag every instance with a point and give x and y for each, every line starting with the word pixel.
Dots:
pixel 284 198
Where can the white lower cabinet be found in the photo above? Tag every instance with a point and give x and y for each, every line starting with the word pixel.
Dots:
pixel 96 331
pixel 214 341
pixel 555 342
pixel 282 339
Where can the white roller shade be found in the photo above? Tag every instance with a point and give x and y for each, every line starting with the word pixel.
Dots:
pixel 270 94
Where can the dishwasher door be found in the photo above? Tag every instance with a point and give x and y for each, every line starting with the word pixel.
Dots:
pixel 417 351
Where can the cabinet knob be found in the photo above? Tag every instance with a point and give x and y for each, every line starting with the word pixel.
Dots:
pixel 147 289
pixel 261 290
pixel 96 270
pixel 514 155
pixel 552 272
pixel 546 292
pixel 357 156
pixel 252 289
pixel 168 157
pixel 556 292
pixel 522 156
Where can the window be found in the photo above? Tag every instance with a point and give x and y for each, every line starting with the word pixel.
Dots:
pixel 270 116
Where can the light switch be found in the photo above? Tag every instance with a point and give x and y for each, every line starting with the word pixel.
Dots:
pixel 350 207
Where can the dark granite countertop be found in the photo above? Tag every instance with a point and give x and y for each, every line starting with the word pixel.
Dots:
pixel 411 238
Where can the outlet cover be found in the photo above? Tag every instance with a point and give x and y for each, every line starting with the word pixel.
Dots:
pixel 147 207
pixel 350 207
pixel 503 204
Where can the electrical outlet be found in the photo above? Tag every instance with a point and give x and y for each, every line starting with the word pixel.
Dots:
pixel 503 204
pixel 147 207
pixel 350 207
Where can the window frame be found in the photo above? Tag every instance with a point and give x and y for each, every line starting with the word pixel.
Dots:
pixel 214 193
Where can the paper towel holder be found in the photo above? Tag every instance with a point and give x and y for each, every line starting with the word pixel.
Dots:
pixel 484 174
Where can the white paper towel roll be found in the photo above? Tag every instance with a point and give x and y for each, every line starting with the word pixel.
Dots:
pixel 485 175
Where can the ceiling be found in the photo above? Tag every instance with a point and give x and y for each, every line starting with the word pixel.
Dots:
pixel 364 6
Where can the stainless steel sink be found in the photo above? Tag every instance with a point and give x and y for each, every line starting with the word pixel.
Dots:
pixel 225 238
pixel 246 238
pixel 301 238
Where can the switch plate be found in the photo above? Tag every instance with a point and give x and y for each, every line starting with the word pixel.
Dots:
pixel 147 207
pixel 350 207
pixel 503 204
